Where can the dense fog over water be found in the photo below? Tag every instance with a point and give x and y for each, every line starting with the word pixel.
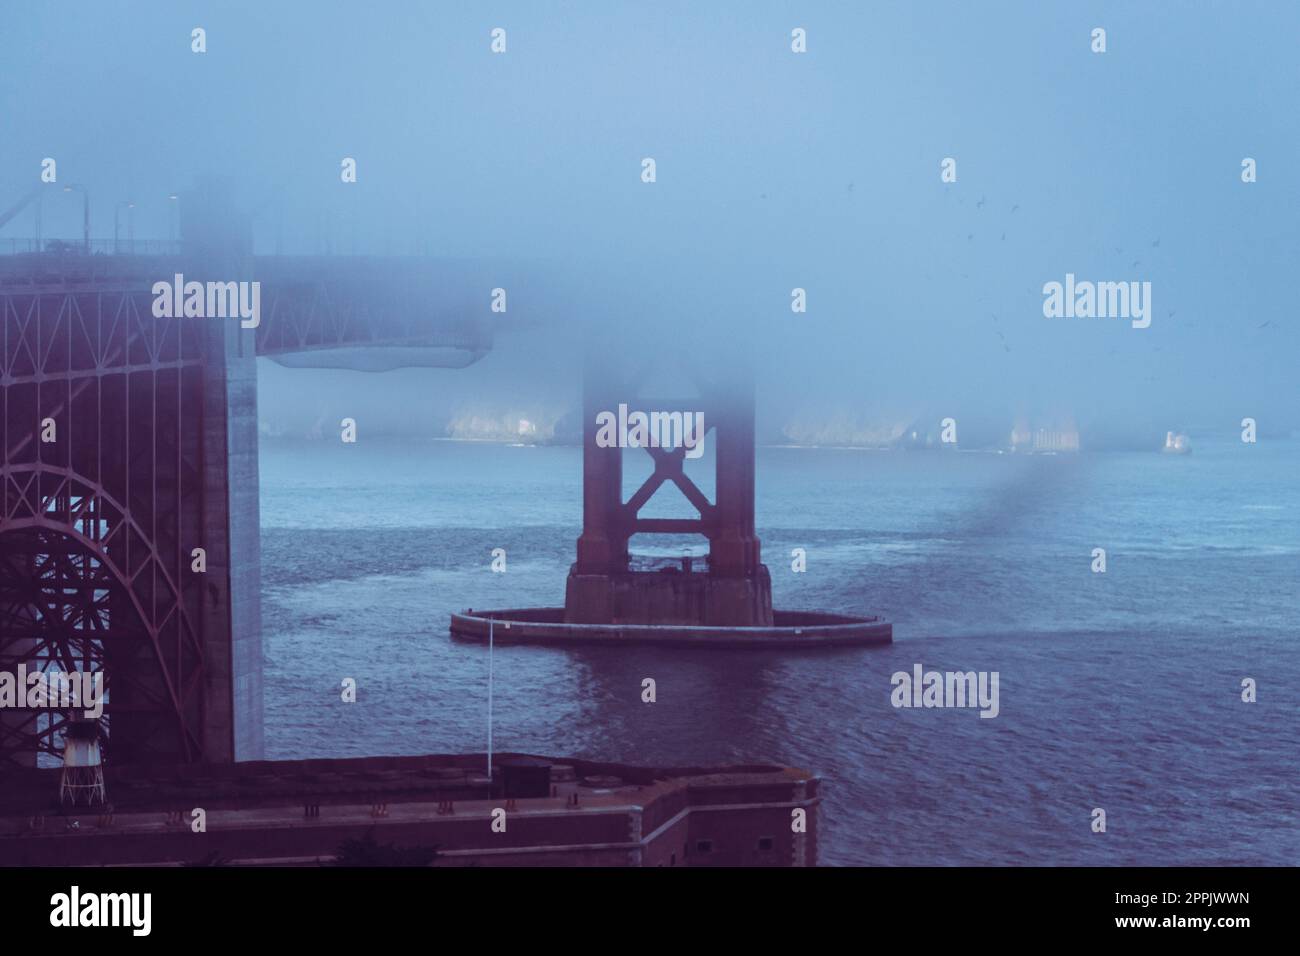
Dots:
pixel 774 171
pixel 1037 227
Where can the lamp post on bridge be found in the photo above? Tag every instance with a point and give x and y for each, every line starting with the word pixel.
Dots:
pixel 173 222
pixel 130 223
pixel 85 210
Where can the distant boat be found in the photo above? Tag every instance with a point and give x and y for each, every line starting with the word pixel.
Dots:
pixel 1176 443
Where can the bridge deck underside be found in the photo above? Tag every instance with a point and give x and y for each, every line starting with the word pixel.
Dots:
pixel 306 304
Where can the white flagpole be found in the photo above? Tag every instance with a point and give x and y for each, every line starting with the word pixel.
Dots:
pixel 489 750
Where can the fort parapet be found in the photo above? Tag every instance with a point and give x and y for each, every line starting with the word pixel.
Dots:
pixel 299 812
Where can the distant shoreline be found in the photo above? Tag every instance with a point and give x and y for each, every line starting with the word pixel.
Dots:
pixel 984 450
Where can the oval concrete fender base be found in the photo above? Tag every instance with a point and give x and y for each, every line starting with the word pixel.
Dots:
pixel 792 629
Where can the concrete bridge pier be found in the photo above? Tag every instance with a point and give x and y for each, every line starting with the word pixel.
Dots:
pixel 726 604
pixel 217 243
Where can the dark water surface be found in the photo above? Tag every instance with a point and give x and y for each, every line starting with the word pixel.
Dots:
pixel 1118 690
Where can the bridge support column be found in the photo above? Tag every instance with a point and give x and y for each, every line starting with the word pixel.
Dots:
pixel 218 248
pixel 602 547
pixel 741 591
pixel 231 618
pixel 736 590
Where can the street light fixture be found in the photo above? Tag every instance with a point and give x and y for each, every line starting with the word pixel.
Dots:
pixel 85 211
pixel 173 223
pixel 130 220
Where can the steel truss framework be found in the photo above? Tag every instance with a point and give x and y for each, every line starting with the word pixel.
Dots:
pixel 98 524
pixel 100 499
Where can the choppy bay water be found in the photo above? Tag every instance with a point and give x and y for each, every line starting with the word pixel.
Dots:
pixel 1118 690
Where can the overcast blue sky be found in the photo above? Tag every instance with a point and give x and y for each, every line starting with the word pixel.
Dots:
pixel 775 170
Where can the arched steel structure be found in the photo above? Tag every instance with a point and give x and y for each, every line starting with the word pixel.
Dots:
pixel 129 441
